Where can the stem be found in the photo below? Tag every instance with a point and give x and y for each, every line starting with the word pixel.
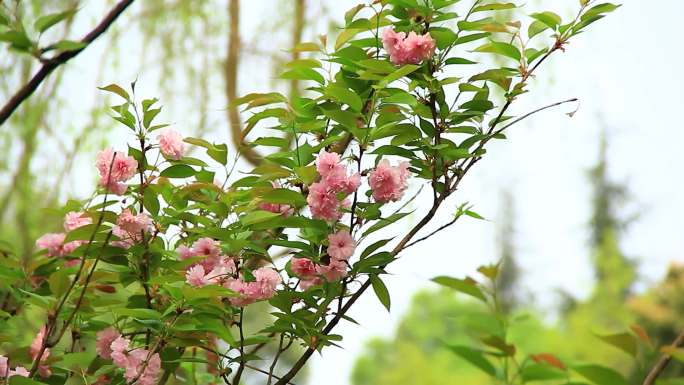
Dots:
pixel 663 361
pixel 241 368
pixel 275 359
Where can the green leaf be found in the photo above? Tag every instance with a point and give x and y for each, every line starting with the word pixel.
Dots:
pixel 384 222
pixel 398 74
pixel 541 372
pixel 76 360
pixel 461 285
pixel 444 37
pixel 346 96
pixel 600 375
pixel 370 249
pixel 505 49
pixel 345 36
pixel 17 39
pixel 4 19
pixel 550 19
pixel 475 357
pixel 45 22
pixel 303 74
pixel 535 28
pixel 19 380
pixel 623 341
pixel 494 7
pixel 284 196
pixel 149 115
pixel 599 9
pixel 178 171
pixel 257 217
pixel 458 60
pixel 59 282
pixel 380 290
pixel 151 202
pixel 140 314
pixel 69 45
pixel 116 89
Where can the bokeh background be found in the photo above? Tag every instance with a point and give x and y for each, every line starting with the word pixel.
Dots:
pixel 586 211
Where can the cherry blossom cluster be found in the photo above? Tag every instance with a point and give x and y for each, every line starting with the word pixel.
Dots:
pixel 216 269
pixel 388 183
pixel 212 268
pixel 115 168
pixel 323 195
pixel 141 367
pixel 341 247
pixel 171 144
pixel 407 49
pixel 130 228
pixel 54 242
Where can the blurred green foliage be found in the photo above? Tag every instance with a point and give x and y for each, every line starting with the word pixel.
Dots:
pixel 418 352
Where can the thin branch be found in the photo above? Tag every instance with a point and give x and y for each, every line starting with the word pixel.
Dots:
pixel 256 369
pixel 527 115
pixel 51 64
pixel 662 362
pixel 444 226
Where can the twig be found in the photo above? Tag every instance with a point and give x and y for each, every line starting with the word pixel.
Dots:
pixel 51 64
pixel 662 362
pixel 527 115
pixel 444 226
pixel 265 372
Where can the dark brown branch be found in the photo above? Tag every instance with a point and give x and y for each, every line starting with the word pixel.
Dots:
pixel 662 362
pixel 50 65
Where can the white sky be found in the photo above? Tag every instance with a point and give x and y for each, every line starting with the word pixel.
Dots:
pixel 625 70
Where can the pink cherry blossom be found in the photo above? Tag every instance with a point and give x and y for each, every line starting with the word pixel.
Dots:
pixel 304 268
pixel 283 209
pixel 342 245
pixel 334 271
pixel 3 366
pixel 407 49
pixel 74 220
pixel 222 270
pixel 119 351
pixel 323 202
pixel 327 162
pixel 53 242
pixel 171 144
pixel 133 224
pixel 195 276
pixel 184 252
pixel 104 342
pixel 37 349
pixel 113 173
pixel 263 288
pixel 206 246
pixel 268 277
pixel 388 183
pixel 19 371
